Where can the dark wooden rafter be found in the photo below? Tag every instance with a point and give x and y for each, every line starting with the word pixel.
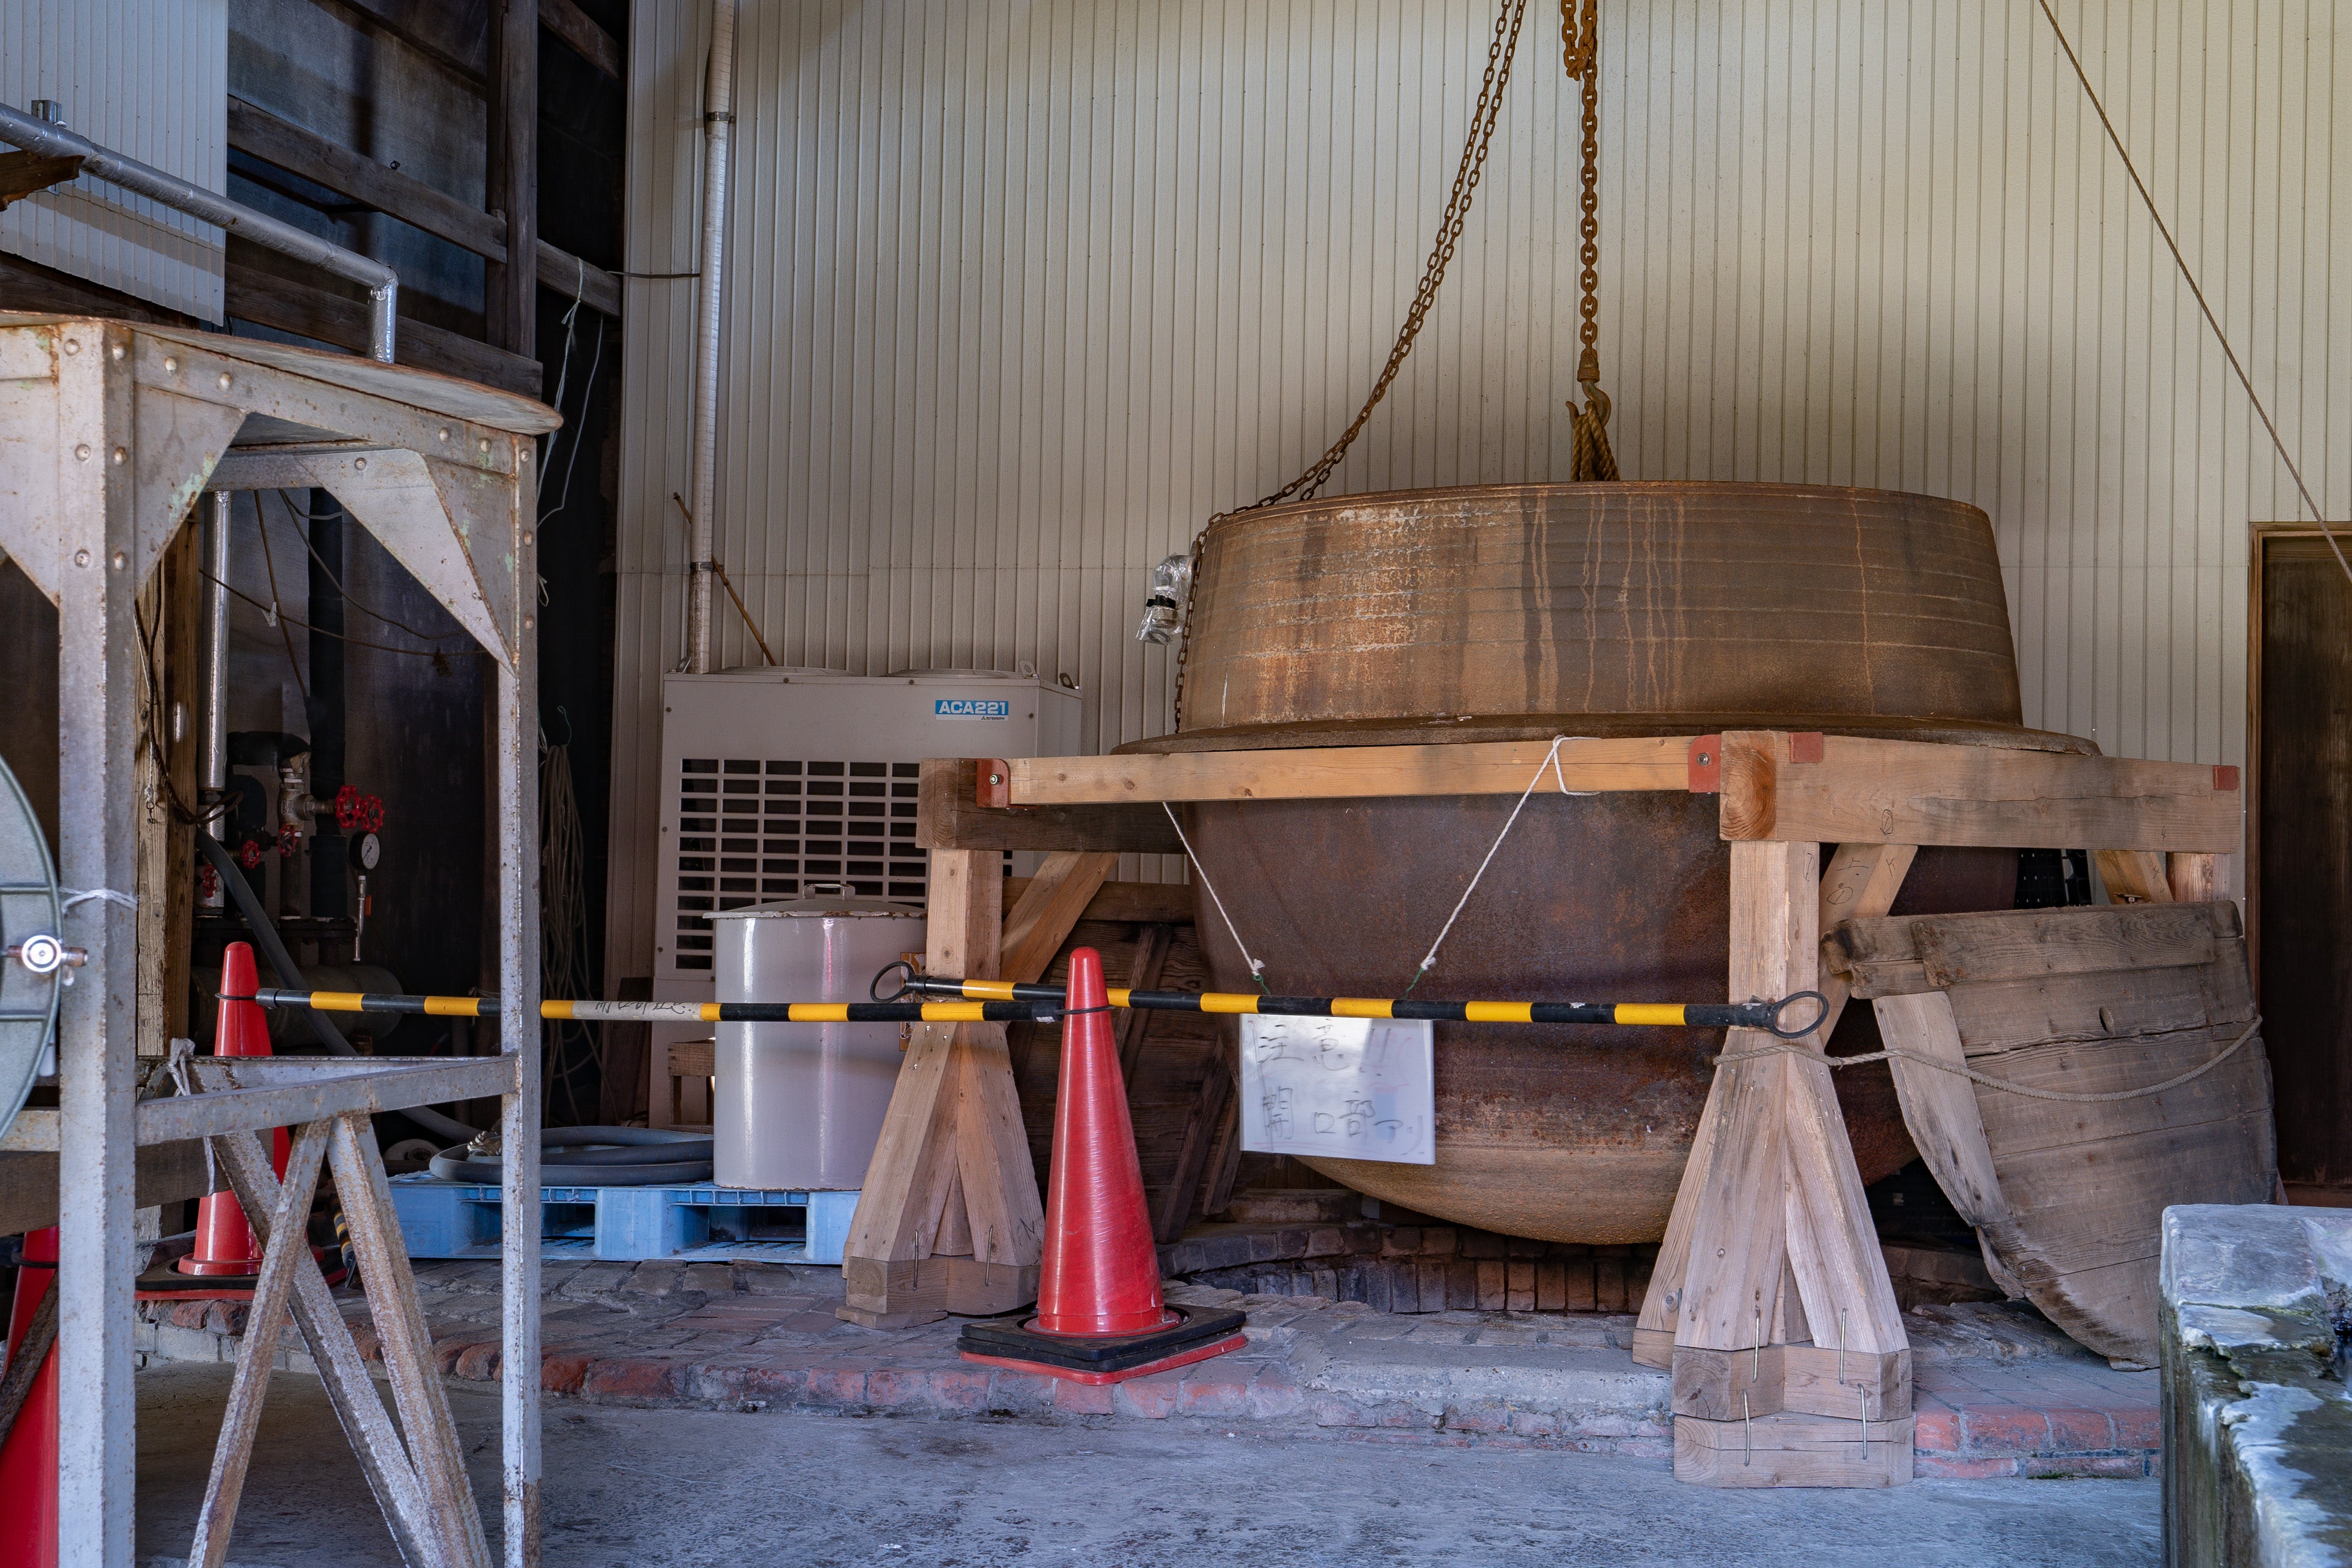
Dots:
pixel 412 23
pixel 509 290
pixel 299 151
pixel 23 173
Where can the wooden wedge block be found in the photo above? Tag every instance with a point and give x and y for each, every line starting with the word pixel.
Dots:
pixel 1792 1450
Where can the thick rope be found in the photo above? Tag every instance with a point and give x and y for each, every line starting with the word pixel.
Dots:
pixel 1257 966
pixel 1987 1078
pixel 1551 761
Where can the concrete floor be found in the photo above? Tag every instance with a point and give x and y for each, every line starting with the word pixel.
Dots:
pixel 657 1487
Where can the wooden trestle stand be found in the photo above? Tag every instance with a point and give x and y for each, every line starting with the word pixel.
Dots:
pixel 1770 1301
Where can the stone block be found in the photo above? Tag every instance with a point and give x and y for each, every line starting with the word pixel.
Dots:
pixel 631 1377
pixel 1327 1241
pixel 1953 1468
pixel 1481 1244
pixel 1439 1240
pixel 1153 1398
pixel 834 1385
pixel 1219 1386
pixel 1492 1296
pixel 2005 1429
pixel 1577 1279
pixel 1519 1285
pixel 2079 1431
pixel 1551 1284
pixel 1083 1399
pixel 479 1362
pixel 1013 1392
pixel 1273 1394
pixel 1609 1282
pixel 1402 1241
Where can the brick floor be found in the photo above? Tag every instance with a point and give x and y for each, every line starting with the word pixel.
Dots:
pixel 1998 1392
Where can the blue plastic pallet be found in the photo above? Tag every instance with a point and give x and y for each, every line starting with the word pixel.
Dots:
pixel 703 1222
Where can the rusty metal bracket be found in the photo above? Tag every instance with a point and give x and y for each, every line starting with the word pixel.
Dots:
pixel 993 782
pixel 1706 765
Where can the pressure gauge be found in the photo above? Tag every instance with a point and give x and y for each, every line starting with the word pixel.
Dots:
pixel 366 851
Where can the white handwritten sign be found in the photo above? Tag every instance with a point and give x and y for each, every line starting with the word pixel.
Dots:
pixel 1348 1089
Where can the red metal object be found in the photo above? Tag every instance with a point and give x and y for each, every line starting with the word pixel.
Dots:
pixel 1706 765
pixel 993 782
pixel 2225 776
pixel 1806 746
pixel 225 1242
pixel 1101 1271
pixel 289 840
pixel 355 812
pixel 249 854
pixel 28 1459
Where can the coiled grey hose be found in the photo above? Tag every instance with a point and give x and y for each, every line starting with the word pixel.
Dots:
pixel 601 1157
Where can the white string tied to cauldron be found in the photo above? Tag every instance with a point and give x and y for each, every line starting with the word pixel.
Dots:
pixel 1551 762
pixel 75 897
pixel 1257 966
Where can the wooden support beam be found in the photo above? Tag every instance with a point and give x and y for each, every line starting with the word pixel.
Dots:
pixel 510 287
pixel 952 1161
pixel 1335 772
pixel 301 151
pixel 2196 879
pixel 568 22
pixel 271 299
pixel 1903 956
pixel 1841 789
pixel 2135 875
pixel 23 173
pixel 950 818
pixel 1050 905
pixel 1147 903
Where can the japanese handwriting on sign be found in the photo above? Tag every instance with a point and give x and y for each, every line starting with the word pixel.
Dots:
pixel 1354 1088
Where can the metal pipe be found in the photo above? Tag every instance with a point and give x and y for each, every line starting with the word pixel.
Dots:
pixel 212 745
pixel 273 948
pixel 719 122
pixel 382 284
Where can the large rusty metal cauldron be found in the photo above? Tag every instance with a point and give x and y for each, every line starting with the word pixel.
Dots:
pixel 1523 612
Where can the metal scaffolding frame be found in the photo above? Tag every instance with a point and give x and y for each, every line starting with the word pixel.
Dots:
pixel 109 431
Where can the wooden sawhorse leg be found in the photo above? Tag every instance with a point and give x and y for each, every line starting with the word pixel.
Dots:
pixel 1770 1300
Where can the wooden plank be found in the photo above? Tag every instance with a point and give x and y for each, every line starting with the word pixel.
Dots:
pixel 1792 1450
pixel 923 1154
pixel 1192 1154
pixel 1808 1378
pixel 568 22
pixel 307 310
pixel 1895 957
pixel 510 287
pixel 168 1173
pixel 2014 1015
pixel 349 1388
pixel 563 273
pixel 1143 970
pixel 1006 1213
pixel 426 1422
pixel 2134 876
pixel 301 151
pixel 1338 773
pixel 23 173
pixel 258 1352
pixel 1165 904
pixel 1050 905
pixel 949 818
pixel 1909 792
pixel 2197 879
pixel 1941 1108
pixel 1860 882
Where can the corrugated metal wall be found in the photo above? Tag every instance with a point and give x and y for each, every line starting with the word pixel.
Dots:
pixel 1019 294
pixel 149 79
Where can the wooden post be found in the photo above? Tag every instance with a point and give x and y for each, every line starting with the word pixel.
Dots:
pixel 1789 1360
pixel 511 289
pixel 950 1219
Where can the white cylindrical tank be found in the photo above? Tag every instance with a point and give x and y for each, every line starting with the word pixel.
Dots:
pixel 800 1106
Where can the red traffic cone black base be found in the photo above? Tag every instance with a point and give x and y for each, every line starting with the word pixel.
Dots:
pixel 1100 1317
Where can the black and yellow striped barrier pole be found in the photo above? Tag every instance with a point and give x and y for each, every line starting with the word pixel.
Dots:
pixel 983 1012
pixel 1008 1002
pixel 1764 1016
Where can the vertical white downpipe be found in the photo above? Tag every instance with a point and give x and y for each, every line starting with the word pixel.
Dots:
pixel 719 123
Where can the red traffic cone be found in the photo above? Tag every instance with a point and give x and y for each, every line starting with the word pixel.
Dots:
pixel 226 1249
pixel 1100 1316
pixel 28 1459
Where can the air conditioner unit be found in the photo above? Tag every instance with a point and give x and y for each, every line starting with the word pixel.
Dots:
pixel 778 782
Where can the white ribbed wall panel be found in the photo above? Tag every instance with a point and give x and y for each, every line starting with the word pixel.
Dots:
pixel 148 79
pixel 1019 294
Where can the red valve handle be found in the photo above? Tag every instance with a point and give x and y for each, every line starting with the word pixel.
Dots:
pixel 249 855
pixel 289 840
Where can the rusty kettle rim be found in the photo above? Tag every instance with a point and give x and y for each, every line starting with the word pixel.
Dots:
pixel 1466 728
pixel 1601 491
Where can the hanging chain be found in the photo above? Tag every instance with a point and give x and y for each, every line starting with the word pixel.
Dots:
pixel 1590 457
pixel 1501 50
